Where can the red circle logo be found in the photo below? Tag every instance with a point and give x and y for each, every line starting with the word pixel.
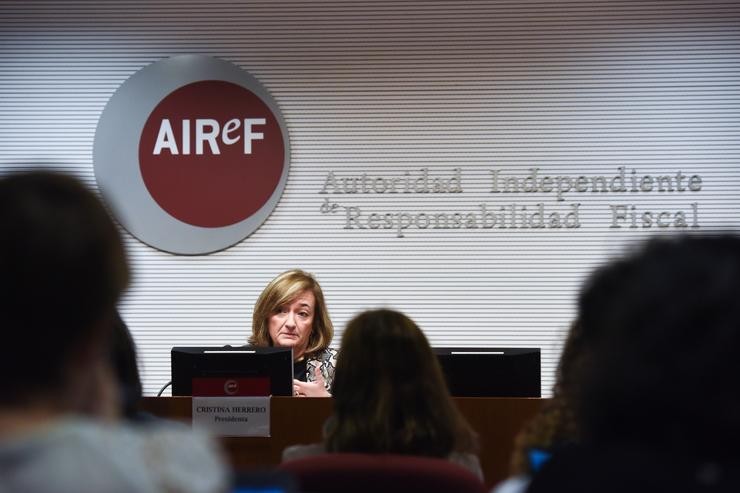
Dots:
pixel 211 153
pixel 231 387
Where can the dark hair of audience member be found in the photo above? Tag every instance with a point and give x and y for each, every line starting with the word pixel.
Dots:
pixel 664 332
pixel 390 395
pixel 63 268
pixel 124 362
pixel 555 425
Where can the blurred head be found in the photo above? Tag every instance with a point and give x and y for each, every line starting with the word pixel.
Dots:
pixel 663 329
pixel 554 425
pixel 390 395
pixel 62 269
pixel 291 312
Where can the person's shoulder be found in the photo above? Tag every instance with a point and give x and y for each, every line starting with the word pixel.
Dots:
pixel 294 452
pixel 170 455
pixel 469 461
pixel 328 355
pixel 57 456
pixel 514 484
pixel 617 467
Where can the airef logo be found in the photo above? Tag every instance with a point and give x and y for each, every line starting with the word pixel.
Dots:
pixel 192 154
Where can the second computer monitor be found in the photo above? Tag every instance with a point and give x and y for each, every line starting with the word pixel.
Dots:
pixel 491 372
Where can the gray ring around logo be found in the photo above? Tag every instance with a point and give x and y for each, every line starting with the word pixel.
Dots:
pixel 116 155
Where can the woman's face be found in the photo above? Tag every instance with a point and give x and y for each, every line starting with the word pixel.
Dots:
pixel 291 324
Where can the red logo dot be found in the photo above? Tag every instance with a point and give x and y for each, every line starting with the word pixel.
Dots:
pixel 211 153
pixel 231 387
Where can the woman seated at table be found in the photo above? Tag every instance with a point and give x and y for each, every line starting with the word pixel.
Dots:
pixel 291 312
pixel 390 397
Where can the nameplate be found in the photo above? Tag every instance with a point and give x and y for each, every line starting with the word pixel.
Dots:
pixel 232 416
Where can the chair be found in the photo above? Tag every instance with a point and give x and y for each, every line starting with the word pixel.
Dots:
pixel 385 473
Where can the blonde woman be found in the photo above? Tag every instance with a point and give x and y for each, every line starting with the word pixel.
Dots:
pixel 291 312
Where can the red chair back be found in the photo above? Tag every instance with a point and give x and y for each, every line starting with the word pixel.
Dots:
pixel 359 473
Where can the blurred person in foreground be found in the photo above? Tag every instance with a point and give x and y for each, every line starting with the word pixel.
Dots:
pixel 291 312
pixel 390 397
pixel 62 270
pixel 656 400
pixel 554 427
pixel 126 372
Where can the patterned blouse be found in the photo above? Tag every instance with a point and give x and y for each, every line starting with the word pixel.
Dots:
pixel 326 361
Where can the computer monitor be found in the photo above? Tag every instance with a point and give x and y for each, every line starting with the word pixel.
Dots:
pixel 491 372
pixel 232 371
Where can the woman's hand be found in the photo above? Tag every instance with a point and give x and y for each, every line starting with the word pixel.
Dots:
pixel 311 389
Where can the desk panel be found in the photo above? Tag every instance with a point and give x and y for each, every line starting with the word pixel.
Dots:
pixel 497 421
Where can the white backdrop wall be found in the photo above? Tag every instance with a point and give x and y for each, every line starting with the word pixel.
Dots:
pixel 387 88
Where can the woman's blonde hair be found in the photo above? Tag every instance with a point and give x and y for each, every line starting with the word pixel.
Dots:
pixel 282 290
pixel 390 395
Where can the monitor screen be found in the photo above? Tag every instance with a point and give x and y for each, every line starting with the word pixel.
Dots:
pixel 232 371
pixel 491 372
